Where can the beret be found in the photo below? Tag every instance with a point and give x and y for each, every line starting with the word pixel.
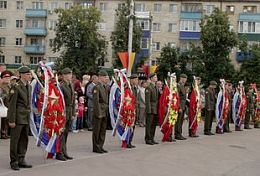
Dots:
pixel 183 75
pixel 66 71
pixel 102 73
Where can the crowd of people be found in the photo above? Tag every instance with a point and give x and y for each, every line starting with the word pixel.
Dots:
pixel 86 106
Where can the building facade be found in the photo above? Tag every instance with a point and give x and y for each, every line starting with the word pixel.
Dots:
pixel 27 27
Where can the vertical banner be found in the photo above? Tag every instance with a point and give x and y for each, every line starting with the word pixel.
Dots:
pixel 131 62
pixel 153 68
pixel 123 56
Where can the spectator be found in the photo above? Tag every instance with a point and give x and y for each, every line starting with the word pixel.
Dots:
pixel 141 99
pixel 80 114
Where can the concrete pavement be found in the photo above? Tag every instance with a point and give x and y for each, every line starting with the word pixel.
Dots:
pixel 232 154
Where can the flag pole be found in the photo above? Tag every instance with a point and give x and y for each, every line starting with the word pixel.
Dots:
pixel 130 37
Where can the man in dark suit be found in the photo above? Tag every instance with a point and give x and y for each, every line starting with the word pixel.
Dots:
pixel 18 115
pixel 151 103
pixel 100 104
pixel 69 99
pixel 210 103
pixel 183 96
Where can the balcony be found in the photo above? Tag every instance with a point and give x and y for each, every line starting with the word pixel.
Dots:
pixel 35 31
pixel 33 13
pixel 186 35
pixel 250 37
pixel 191 15
pixel 249 17
pixel 34 49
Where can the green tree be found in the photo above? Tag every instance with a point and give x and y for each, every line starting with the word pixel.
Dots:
pixel 83 48
pixel 217 41
pixel 168 62
pixel 250 68
pixel 119 36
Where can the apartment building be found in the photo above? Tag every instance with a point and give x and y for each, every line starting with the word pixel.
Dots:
pixel 27 27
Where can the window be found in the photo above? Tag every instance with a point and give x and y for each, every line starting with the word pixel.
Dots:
pixel 156 46
pixel 86 4
pixel 120 5
pixel 17 59
pixel 144 43
pixel 51 41
pixel 230 10
pixel 35 60
pixel 209 9
pixel 68 5
pixel 3 5
pixel 2 23
pixel 172 44
pixel 19 23
pixel 37 5
pixel 172 27
pixel 2 41
pixel 157 7
pixel 102 26
pixel 139 7
pixel 156 27
pixel 144 24
pixel 52 59
pixel 249 9
pixel 191 7
pixel 2 59
pixel 190 25
pixel 103 6
pixel 19 5
pixel 35 23
pixel 53 5
pixel 52 24
pixel 173 8
pixel 18 41
pixel 248 27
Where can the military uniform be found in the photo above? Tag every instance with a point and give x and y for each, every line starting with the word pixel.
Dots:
pixel 19 113
pixel 180 118
pixel 100 105
pixel 249 110
pixel 151 103
pixel 210 103
pixel 69 99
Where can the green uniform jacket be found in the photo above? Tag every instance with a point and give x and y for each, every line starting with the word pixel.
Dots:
pixel 151 99
pixel 69 98
pixel 183 95
pixel 210 99
pixel 100 101
pixel 19 104
pixel 135 93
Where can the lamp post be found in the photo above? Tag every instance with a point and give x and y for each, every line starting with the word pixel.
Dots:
pixel 130 37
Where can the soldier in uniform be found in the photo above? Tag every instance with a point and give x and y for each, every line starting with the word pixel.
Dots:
pixel 250 108
pixel 134 86
pixel 210 103
pixel 100 105
pixel 183 96
pixel 18 116
pixel 151 103
pixel 69 99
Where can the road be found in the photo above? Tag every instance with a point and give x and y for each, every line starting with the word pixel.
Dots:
pixel 232 154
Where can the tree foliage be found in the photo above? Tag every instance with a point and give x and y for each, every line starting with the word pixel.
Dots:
pixel 83 48
pixel 250 68
pixel 119 36
pixel 217 41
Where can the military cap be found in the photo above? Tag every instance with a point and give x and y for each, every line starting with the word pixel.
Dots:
pixel 102 73
pixel 6 73
pixel 183 75
pixel 14 77
pixel 198 78
pixel 24 69
pixel 152 75
pixel 133 76
pixel 213 83
pixel 66 71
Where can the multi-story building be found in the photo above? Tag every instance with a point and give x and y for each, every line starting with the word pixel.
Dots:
pixel 27 26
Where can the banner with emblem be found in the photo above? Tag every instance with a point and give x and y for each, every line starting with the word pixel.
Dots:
pixel 256 113
pixel 168 107
pixel 122 107
pixel 222 107
pixel 47 118
pixel 239 105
